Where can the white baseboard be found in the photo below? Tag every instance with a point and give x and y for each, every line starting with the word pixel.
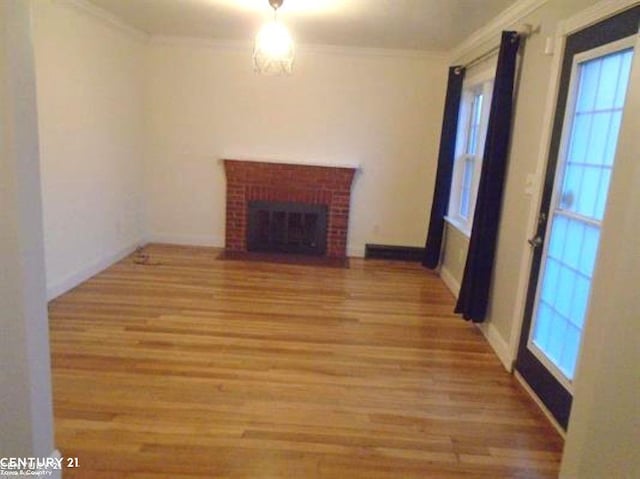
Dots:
pixel 355 251
pixel 499 345
pixel 449 281
pixel 491 334
pixel 186 240
pixel 74 279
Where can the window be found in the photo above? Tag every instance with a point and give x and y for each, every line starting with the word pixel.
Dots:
pixel 472 130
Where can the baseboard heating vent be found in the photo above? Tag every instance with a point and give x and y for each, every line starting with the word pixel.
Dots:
pixel 401 253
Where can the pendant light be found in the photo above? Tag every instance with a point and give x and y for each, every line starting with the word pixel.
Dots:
pixel 273 52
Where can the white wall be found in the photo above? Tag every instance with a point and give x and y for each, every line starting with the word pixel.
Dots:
pixel 381 111
pixel 26 415
pixel 89 83
pixel 454 256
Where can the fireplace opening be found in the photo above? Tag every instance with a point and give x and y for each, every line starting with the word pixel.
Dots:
pixel 286 227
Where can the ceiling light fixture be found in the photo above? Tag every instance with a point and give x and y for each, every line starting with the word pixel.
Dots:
pixel 273 52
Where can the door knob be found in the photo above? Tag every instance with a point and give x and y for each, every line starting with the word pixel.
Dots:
pixel 535 242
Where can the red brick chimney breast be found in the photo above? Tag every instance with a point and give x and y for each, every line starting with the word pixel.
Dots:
pixel 253 180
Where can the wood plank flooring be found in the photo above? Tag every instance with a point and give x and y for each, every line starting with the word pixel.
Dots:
pixel 191 367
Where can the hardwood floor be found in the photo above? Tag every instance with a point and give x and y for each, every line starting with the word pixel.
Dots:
pixel 191 367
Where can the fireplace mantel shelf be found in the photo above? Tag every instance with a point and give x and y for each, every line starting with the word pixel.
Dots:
pixel 351 166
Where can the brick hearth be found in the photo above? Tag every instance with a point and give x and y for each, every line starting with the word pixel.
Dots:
pixel 324 185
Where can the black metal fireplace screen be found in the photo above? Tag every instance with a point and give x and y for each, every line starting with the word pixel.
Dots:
pixel 284 227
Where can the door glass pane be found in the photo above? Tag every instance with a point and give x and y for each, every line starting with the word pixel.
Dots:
pixel 574 232
pixel 595 126
pixel 612 139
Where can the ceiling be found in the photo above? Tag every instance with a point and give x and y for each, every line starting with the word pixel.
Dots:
pixel 402 24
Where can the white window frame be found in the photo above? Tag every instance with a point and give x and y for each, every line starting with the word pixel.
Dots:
pixel 478 83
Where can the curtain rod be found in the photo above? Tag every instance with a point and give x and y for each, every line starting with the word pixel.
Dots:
pixel 523 32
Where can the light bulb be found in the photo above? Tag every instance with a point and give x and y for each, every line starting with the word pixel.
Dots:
pixel 274 40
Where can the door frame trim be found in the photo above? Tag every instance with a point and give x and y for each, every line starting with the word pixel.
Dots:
pixel 581 20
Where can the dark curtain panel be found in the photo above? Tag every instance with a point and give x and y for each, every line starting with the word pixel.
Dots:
pixel 445 168
pixel 474 291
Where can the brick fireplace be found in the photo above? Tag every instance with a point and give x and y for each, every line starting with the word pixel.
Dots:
pixel 249 181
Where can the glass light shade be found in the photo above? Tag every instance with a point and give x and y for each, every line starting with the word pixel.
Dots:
pixel 273 52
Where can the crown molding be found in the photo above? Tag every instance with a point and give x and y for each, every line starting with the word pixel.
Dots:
pixel 507 19
pixel 201 42
pixel 244 46
pixel 374 52
pixel 106 18
pixel 596 13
